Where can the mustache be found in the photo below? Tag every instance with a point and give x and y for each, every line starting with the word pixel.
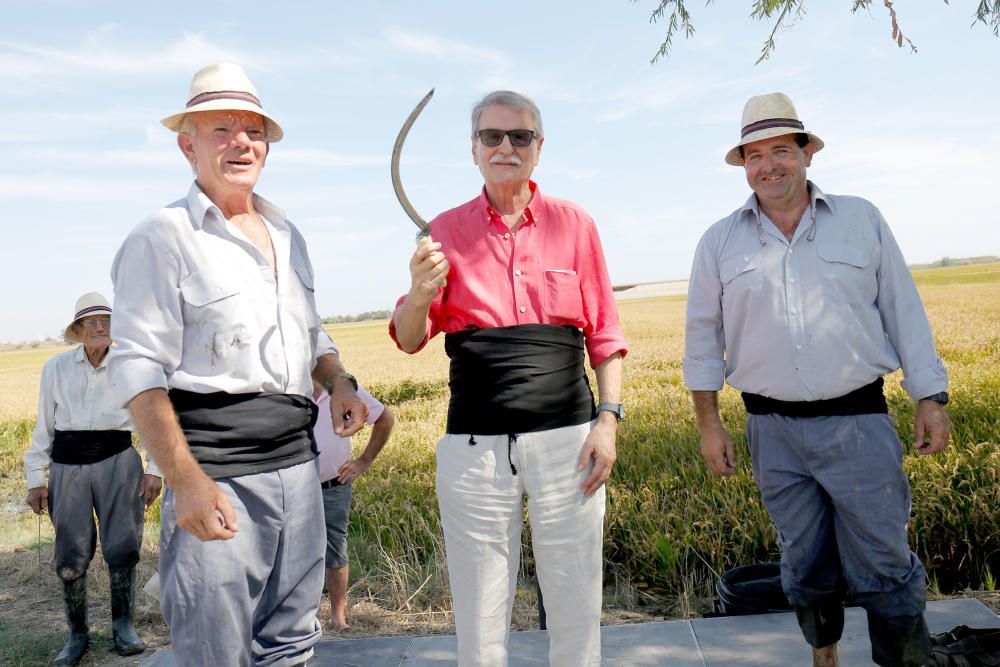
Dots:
pixel 510 159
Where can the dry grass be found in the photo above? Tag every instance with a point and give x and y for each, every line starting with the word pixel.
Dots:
pixel 671 527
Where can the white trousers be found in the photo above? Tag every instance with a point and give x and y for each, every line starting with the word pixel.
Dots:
pixel 480 498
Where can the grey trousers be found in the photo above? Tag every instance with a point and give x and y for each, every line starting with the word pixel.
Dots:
pixel 109 488
pixel 836 489
pixel 250 600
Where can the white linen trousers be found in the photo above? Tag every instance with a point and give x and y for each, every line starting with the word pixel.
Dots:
pixel 481 503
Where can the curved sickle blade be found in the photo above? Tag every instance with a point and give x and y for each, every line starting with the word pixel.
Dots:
pixel 397 184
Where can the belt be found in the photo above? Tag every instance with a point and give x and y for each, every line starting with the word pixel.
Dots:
pixel 330 483
pixel 865 400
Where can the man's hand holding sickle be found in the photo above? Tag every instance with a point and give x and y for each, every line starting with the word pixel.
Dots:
pixel 428 266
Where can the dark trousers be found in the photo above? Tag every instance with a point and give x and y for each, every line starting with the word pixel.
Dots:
pixel 836 489
pixel 109 489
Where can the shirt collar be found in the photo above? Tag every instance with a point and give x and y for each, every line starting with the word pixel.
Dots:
pixel 815 197
pixel 81 357
pixel 200 205
pixel 530 211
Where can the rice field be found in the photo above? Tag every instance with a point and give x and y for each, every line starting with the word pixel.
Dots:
pixel 671 526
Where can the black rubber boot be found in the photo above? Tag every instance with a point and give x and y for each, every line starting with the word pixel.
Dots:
pixel 75 598
pixel 127 641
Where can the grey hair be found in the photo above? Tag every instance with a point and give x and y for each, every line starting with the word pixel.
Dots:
pixel 511 100
pixel 187 125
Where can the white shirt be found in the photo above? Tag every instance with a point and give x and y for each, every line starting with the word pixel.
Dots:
pixel 73 396
pixel 808 319
pixel 335 451
pixel 197 306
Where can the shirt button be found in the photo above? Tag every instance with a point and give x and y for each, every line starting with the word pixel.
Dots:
pixel 791 280
pixel 522 309
pixel 798 347
pixel 507 235
pixel 792 311
pixel 517 272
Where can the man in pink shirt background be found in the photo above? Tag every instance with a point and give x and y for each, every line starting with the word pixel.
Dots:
pixel 518 283
pixel 337 471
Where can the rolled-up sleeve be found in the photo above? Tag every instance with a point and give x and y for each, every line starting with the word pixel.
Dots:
pixel 324 344
pixel 38 457
pixel 602 329
pixel 148 319
pixel 704 337
pixel 905 321
pixel 434 325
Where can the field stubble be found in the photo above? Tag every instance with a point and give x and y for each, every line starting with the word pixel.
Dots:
pixel 671 526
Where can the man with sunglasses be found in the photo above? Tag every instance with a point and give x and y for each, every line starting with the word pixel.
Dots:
pixel 802 301
pixel 517 282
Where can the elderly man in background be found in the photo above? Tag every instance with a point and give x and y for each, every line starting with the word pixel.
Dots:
pixel 802 300
pixel 83 443
pixel 219 342
pixel 518 283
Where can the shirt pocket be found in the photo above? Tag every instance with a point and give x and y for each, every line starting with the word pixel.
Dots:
pixel 741 275
pixel 214 315
pixel 561 297
pixel 846 273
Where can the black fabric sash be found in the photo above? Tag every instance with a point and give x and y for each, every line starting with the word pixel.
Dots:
pixel 866 400
pixel 242 434
pixel 517 379
pixel 82 447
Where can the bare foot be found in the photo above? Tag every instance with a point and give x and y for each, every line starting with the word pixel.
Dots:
pixel 826 656
pixel 339 626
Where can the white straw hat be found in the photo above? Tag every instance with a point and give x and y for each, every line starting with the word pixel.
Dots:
pixel 223 87
pixel 766 116
pixel 91 303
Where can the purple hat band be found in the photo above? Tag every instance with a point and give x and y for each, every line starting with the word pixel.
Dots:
pixel 770 123
pixel 90 311
pixel 223 95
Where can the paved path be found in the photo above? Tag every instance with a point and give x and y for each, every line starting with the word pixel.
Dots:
pixel 771 640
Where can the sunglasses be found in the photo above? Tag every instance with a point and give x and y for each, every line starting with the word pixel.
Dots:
pixel 518 138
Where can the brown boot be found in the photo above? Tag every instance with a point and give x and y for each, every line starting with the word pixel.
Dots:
pixel 826 656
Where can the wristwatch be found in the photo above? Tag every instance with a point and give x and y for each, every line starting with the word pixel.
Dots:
pixel 328 384
pixel 617 409
pixel 941 398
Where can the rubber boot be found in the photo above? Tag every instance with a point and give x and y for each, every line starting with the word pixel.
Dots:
pixel 127 641
pixel 75 599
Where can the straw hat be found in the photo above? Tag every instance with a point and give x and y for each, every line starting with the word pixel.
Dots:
pixel 223 87
pixel 91 303
pixel 766 116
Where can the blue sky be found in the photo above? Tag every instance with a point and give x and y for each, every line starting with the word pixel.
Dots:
pixel 84 83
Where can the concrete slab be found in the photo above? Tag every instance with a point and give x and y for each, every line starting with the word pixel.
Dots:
pixel 645 644
pixel 737 641
pixel 775 639
pixel 374 652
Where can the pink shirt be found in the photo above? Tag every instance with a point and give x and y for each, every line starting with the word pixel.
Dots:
pixel 335 451
pixel 550 271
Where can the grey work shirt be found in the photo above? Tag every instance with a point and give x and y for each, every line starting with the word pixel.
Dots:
pixel 198 307
pixel 810 319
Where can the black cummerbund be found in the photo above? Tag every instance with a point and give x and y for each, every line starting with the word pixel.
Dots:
pixel 517 379
pixel 80 447
pixel 866 400
pixel 241 434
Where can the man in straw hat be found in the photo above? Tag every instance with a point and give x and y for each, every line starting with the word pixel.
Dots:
pixel 802 301
pixel 82 443
pixel 218 345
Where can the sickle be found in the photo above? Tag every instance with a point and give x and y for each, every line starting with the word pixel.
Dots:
pixel 397 184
